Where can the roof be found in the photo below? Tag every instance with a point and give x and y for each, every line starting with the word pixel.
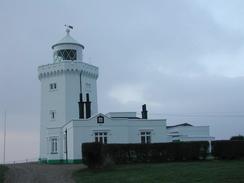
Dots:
pixel 182 124
pixel 68 40
pixel 126 117
pixel 122 115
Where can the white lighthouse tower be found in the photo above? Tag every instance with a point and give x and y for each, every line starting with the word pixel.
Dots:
pixel 68 92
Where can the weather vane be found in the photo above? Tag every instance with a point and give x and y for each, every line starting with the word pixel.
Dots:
pixel 68 27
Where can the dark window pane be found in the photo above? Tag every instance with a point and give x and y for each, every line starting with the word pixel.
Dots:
pixel 142 139
pixel 71 54
pixel 100 119
pixel 59 53
pixel 105 140
pixel 101 139
pixel 74 54
pixel 148 139
pixel 66 55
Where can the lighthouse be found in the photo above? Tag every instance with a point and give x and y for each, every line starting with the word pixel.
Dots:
pixel 68 91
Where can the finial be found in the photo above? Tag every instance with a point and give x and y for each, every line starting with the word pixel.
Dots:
pixel 68 27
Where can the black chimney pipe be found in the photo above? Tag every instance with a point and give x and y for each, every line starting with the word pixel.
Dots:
pixel 144 111
pixel 88 106
pixel 81 107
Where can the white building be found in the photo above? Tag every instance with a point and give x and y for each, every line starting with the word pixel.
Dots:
pixel 69 111
pixel 187 132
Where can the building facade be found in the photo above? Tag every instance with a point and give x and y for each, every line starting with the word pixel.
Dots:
pixel 69 110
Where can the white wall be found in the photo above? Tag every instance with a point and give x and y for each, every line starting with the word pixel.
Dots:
pixel 57 133
pixel 64 100
pixel 51 101
pixel 189 133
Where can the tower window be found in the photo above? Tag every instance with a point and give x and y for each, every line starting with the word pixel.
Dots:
pixel 54 145
pixel 52 86
pixel 52 115
pixel 67 54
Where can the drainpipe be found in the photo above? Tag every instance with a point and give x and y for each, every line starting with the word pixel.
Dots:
pixel 66 145
pixel 81 103
pixel 88 106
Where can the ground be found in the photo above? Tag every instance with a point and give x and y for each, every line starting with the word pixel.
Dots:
pixel 182 172
pixel 41 173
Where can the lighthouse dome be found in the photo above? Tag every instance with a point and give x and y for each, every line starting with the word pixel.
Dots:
pixel 67 49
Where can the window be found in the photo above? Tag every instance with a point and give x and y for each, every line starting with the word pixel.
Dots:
pixel 100 119
pixel 146 137
pixel 54 145
pixel 52 115
pixel 52 86
pixel 101 137
pixel 67 54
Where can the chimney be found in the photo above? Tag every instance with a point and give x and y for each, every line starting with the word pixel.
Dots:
pixel 88 106
pixel 144 111
pixel 81 107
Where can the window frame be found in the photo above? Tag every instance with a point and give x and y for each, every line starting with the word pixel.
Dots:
pixel 52 86
pixel 146 136
pixel 101 137
pixel 100 119
pixel 54 145
pixel 65 54
pixel 52 115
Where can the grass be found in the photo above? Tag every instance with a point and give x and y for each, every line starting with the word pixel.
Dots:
pixel 180 172
pixel 3 169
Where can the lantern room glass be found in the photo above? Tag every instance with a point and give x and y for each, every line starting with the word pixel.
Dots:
pixel 65 54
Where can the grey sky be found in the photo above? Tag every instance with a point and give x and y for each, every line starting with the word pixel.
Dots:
pixel 184 58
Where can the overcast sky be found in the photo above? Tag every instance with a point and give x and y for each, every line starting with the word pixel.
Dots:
pixel 183 58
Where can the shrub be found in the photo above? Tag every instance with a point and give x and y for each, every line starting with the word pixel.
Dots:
pixel 97 155
pixel 228 149
pixel 93 156
pixel 3 170
pixel 239 137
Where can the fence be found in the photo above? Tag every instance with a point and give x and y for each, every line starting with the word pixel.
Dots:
pixel 27 160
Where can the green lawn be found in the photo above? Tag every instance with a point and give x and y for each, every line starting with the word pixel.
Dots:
pixel 3 169
pixel 182 172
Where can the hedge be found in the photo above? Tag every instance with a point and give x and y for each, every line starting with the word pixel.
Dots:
pixel 239 137
pixel 96 155
pixel 228 149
